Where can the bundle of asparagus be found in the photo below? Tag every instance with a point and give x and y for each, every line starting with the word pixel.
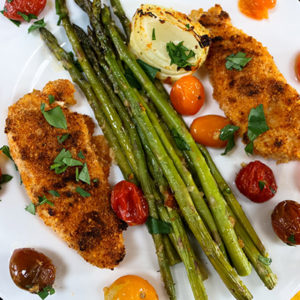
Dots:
pixel 143 131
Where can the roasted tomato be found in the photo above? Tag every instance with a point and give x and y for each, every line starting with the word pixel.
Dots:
pixel 187 95
pixel 206 130
pixel 286 221
pixel 31 270
pixel 130 287
pixel 256 9
pixel 256 181
pixel 297 66
pixel 129 203
pixel 14 9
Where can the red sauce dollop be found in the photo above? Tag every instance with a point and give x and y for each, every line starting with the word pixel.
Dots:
pixel 256 9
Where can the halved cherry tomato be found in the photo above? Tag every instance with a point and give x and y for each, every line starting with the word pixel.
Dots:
pixel 206 130
pixel 256 181
pixel 129 203
pixel 187 95
pixel 297 66
pixel 286 221
pixel 130 287
pixel 256 9
pixel 12 8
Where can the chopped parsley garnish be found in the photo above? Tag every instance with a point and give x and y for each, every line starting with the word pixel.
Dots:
pixel 63 138
pixel 179 54
pixel 77 174
pixel 5 150
pixel 291 239
pixel 179 141
pixel 4 179
pixel 17 23
pixel 149 70
pixel 187 26
pixel 227 134
pixel 261 185
pixel 51 99
pixel 156 226
pixel 256 125
pixel 237 61
pixel 80 155
pixel 84 174
pixel 60 14
pixel 46 291
pixel 55 117
pixel 44 200
pixel 54 193
pixel 153 34
pixel 28 17
pixel 265 260
pixel 82 192
pixel 64 160
pixel 71 162
pixel 36 25
pixel 31 208
pixel 75 61
pixel 131 79
pixel 272 190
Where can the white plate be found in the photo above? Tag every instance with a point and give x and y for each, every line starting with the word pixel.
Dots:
pixel 26 64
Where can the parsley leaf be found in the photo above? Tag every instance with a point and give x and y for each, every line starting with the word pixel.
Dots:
pixel 187 26
pixel 291 239
pixel 5 150
pixel 59 166
pixel 80 155
pixel 17 23
pixel 131 79
pixel 149 70
pixel 31 208
pixel 55 117
pixel 77 174
pixel 54 193
pixel 28 17
pixel 5 178
pixel 265 260
pixel 60 14
pixel 237 61
pixel 71 162
pixel 179 54
pixel 227 134
pixel 256 125
pixel 156 226
pixel 63 138
pixel 51 99
pixel 44 200
pixel 179 141
pixel 82 192
pixel 46 291
pixel 261 185
pixel 84 174
pixel 153 34
pixel 36 25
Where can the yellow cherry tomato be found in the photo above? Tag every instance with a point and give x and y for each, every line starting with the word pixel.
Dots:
pixel 130 287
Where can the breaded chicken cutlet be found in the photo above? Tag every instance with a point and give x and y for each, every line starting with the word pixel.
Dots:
pixel 259 82
pixel 86 223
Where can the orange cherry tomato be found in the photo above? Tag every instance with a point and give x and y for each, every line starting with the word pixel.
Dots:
pixel 130 287
pixel 206 130
pixel 129 203
pixel 297 66
pixel 187 95
pixel 256 9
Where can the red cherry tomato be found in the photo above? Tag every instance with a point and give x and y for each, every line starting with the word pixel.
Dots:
pixel 26 7
pixel 286 221
pixel 206 130
pixel 297 66
pixel 129 203
pixel 187 95
pixel 256 181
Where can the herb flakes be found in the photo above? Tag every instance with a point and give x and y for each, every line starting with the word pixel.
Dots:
pixel 179 54
pixel 55 117
pixel 63 138
pixel 156 226
pixel 149 70
pixel 82 192
pixel 227 134
pixel 179 141
pixel 36 25
pixel 237 61
pixel 46 291
pixel 84 175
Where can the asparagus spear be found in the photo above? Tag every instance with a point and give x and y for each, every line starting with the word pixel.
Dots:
pixel 99 90
pixel 118 10
pixel 232 201
pixel 171 252
pixel 209 185
pixel 181 193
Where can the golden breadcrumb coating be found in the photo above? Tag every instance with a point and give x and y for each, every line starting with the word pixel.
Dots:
pixel 87 224
pixel 260 82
